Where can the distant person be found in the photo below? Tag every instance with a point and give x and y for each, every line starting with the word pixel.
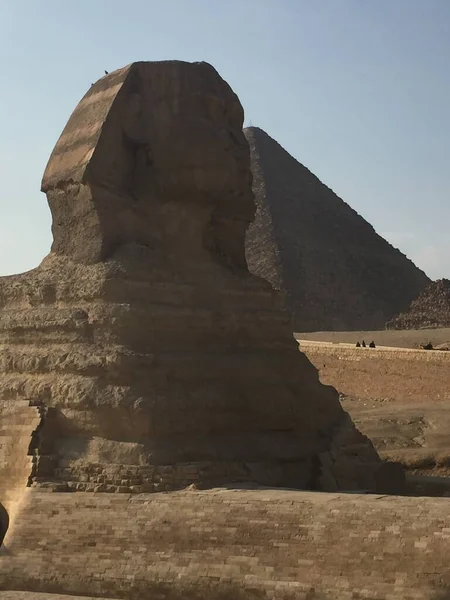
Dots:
pixel 428 346
pixel 358 345
pixel 372 344
pixel 363 344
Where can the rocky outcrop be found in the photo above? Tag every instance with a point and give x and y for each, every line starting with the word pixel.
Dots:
pixel 337 272
pixel 430 310
pixel 162 361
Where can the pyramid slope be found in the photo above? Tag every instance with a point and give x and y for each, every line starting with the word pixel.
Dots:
pixel 337 272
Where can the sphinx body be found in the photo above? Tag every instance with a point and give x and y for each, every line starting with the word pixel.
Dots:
pixel 155 358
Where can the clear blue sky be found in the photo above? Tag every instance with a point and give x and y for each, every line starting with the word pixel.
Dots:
pixel 357 90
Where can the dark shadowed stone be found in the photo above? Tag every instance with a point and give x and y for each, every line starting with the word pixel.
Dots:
pixel 390 479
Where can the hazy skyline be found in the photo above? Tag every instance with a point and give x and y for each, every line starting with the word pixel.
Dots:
pixel 357 91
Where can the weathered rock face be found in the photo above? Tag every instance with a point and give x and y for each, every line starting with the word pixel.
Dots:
pixel 430 310
pixel 157 358
pixel 337 272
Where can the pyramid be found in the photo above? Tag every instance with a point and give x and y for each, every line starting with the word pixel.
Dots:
pixel 430 310
pixel 153 359
pixel 336 271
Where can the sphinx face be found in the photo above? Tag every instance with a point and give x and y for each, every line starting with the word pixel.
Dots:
pixel 193 125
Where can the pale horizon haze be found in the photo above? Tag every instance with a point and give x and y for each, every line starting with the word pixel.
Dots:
pixel 357 91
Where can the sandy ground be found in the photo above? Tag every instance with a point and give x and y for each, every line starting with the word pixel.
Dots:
pixel 415 433
pixel 397 339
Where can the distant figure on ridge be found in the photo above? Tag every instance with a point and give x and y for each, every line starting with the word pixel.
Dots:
pixel 428 346
pixel 106 72
pixel 372 344
pixel 363 344
pixel 358 345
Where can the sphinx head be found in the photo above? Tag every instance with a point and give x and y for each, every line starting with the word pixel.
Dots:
pixel 187 123
pixel 143 138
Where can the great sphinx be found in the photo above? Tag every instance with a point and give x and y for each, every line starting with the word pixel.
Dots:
pixel 149 357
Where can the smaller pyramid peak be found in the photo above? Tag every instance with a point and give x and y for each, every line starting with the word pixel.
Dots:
pixel 252 130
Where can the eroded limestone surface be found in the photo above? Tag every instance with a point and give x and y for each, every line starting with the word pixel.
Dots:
pixel 157 360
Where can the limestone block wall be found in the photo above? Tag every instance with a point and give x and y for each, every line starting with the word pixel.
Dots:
pixel 18 421
pixel 400 374
pixel 230 544
pixel 16 595
pixel 136 479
